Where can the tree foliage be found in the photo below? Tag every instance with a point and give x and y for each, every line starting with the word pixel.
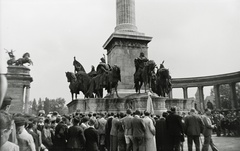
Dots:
pixel 225 95
pixel 50 105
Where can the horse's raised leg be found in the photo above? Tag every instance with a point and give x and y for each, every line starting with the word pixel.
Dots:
pixel 116 90
pixel 139 88
pixel 72 95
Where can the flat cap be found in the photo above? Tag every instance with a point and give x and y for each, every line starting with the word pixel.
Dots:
pixel 19 121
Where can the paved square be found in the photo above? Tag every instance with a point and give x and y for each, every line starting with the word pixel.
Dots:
pixel 223 143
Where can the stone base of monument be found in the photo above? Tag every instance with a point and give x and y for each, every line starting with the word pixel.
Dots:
pixel 133 101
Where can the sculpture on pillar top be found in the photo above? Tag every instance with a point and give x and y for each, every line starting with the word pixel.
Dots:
pixel 19 62
pixel 144 72
pixel 163 81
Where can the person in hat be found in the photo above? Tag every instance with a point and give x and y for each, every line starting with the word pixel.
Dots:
pixel 84 123
pixel 207 132
pixel 5 131
pixel 127 125
pixel 5 107
pixel 6 104
pixel 91 135
pixel 25 140
pixel 175 129
pixel 149 132
pixel 138 131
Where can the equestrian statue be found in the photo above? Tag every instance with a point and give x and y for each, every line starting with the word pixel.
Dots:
pixel 163 84
pixel 144 72
pixel 92 84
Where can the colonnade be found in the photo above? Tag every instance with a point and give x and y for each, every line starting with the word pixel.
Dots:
pixel 200 82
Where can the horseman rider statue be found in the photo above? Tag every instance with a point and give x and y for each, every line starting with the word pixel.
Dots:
pixel 102 70
pixel 139 65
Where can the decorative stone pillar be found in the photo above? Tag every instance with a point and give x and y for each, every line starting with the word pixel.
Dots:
pixel 201 98
pixel 233 95
pixel 18 77
pixel 27 96
pixel 217 97
pixel 185 92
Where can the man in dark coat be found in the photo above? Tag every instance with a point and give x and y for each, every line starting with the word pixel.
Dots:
pixel 193 127
pixel 175 129
pixel 75 137
pixel 108 130
pixel 161 133
pixel 138 132
pixel 91 135
pixel 60 139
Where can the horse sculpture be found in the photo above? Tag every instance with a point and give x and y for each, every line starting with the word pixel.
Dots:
pixel 144 76
pixel 163 81
pixel 19 62
pixel 107 79
pixel 74 85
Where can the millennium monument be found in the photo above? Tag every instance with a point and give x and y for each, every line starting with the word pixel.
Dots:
pixel 19 80
pixel 127 51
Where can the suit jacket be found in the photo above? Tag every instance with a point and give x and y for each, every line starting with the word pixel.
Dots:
pixel 149 127
pixel 113 131
pixel 101 125
pixel 127 124
pixel 161 131
pixel 75 138
pixel 174 124
pixel 138 127
pixel 193 125
pixel 207 131
pixel 91 136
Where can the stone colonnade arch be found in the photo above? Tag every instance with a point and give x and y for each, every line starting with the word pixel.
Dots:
pixel 215 81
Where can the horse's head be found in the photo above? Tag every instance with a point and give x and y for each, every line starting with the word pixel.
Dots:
pixel 70 76
pixel 26 55
pixel 151 65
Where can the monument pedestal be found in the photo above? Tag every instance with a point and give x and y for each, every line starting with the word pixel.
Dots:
pixel 134 102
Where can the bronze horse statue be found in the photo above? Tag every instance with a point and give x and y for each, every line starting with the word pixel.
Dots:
pixel 144 76
pixel 163 81
pixel 74 85
pixel 107 79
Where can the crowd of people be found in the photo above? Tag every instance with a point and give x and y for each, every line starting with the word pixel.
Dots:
pixel 130 131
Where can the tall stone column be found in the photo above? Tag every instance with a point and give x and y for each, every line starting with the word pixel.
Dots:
pixel 185 93
pixel 201 98
pixel 233 95
pixel 125 44
pixel 27 96
pixel 217 97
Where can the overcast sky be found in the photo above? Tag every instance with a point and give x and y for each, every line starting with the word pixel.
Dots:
pixel 194 37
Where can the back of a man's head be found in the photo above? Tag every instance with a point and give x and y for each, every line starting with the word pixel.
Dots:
pixel 173 109
pixel 129 111
pixel 192 111
pixel 208 111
